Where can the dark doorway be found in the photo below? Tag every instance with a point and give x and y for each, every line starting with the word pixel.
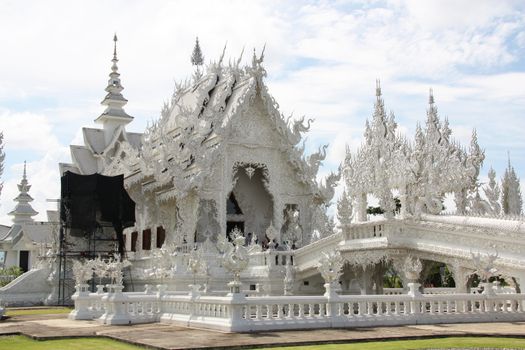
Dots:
pixel 161 236
pixel 24 260
pixel 146 239
pixel 134 238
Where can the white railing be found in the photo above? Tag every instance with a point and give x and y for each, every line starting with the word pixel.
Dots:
pixel 239 313
pixel 365 310
pixel 271 257
pixel 373 229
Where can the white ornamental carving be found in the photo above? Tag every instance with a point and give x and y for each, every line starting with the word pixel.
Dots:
pixel 330 266
pixel 235 258
pixel 423 170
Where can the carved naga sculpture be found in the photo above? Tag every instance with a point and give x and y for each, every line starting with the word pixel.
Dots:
pixel 315 159
pixel 327 190
pixel 298 127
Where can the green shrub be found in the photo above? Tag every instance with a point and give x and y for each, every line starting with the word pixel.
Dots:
pixel 9 274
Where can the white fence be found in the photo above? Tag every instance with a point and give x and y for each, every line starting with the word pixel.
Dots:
pixel 238 313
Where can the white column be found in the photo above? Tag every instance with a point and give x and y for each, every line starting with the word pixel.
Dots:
pixel 360 207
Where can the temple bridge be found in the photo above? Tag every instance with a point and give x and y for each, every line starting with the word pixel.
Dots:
pixel 452 240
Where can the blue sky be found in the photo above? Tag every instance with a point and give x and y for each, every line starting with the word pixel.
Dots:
pixel 322 59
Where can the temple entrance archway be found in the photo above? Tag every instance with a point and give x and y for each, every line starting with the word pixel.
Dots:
pixel 249 205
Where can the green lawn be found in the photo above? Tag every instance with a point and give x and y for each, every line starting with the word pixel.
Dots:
pixel 18 342
pixel 443 343
pixel 38 311
pixel 24 343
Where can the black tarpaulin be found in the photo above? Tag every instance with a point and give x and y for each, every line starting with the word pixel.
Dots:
pixel 89 200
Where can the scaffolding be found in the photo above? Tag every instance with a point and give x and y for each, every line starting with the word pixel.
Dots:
pixel 98 244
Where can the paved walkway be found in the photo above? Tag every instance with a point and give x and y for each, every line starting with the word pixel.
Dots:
pixel 163 336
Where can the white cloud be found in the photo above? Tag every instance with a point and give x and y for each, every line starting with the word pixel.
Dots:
pixel 452 14
pixel 27 131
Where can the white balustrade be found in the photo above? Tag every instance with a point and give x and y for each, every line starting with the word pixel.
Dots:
pixel 367 230
pixel 239 313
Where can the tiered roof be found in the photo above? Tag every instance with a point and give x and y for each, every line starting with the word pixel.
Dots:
pixel 100 145
pixel 23 211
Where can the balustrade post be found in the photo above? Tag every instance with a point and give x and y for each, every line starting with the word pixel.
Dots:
pixel 82 303
pixel 415 303
pixel 116 304
pixel 237 304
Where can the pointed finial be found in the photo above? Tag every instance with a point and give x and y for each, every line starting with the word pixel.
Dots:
pixel 261 58
pixel 431 97
pixel 223 52
pixel 24 176
pixel 197 58
pixel 508 157
pixel 378 88
pixel 115 46
pixel 240 57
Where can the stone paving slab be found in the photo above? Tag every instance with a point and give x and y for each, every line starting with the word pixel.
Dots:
pixel 163 336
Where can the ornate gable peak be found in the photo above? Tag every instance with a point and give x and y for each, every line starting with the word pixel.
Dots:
pixel 202 108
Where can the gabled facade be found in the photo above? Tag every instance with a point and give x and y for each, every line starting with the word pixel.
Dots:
pixel 222 143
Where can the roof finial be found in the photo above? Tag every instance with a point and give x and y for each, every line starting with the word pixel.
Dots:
pixel 223 52
pixel 115 46
pixel 240 58
pixel 24 176
pixel 431 97
pixel 378 88
pixel 508 157
pixel 261 58
pixel 197 58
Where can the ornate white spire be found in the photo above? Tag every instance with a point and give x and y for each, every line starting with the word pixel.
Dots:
pixel 378 88
pixel 197 58
pixel 23 211
pixel 114 114
pixel 431 97
pixel 511 199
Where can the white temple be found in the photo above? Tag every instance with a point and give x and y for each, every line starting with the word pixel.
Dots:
pixel 231 222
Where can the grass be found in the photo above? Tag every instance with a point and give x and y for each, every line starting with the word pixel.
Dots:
pixel 37 311
pixel 18 342
pixel 439 343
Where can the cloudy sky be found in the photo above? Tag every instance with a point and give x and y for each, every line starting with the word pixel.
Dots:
pixel 322 60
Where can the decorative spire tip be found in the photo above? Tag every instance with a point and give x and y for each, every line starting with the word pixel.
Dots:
pixel 431 97
pixel 25 173
pixel 378 88
pixel 115 46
